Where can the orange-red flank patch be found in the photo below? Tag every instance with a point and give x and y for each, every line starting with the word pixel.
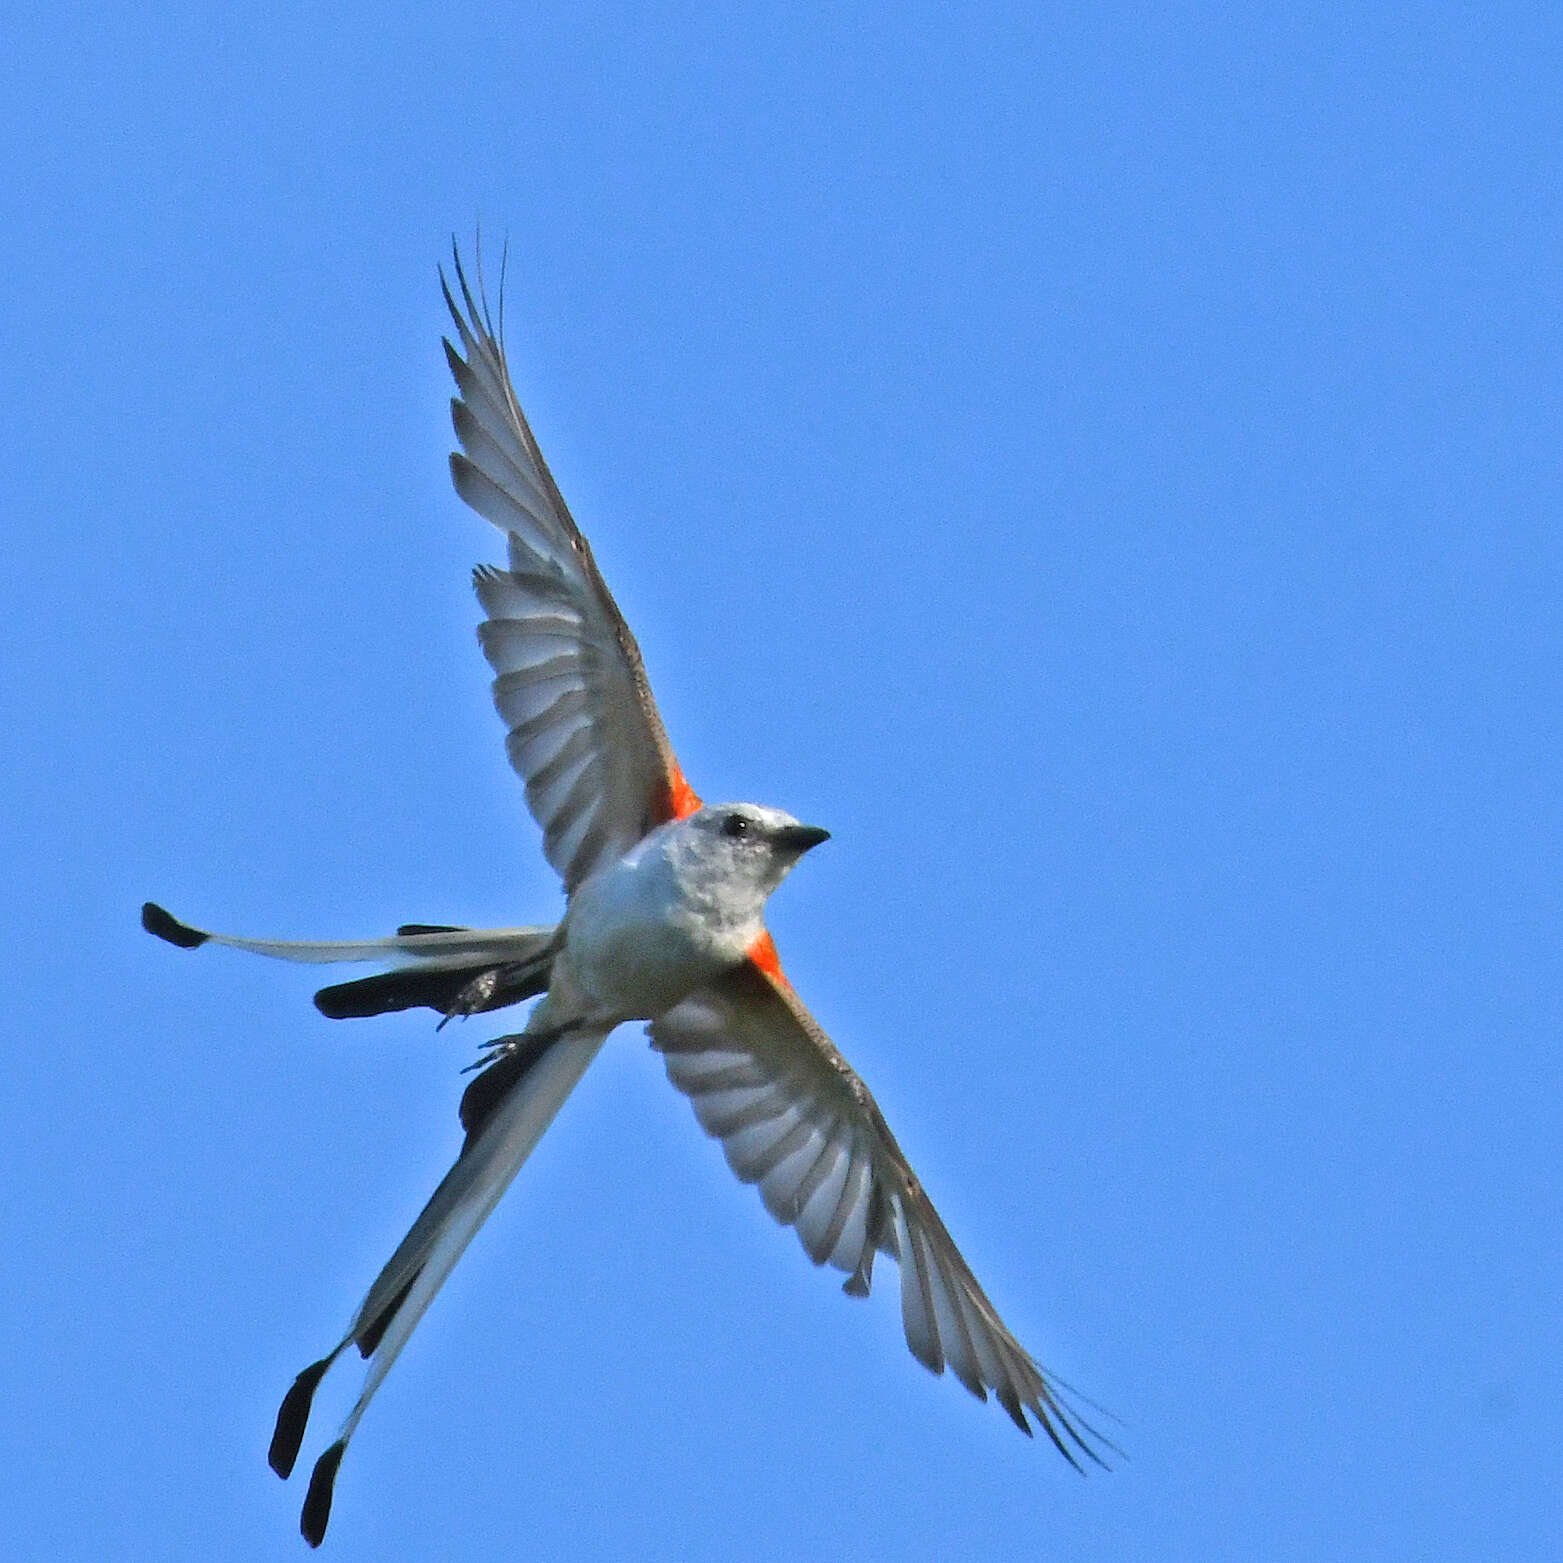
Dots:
pixel 682 799
pixel 763 953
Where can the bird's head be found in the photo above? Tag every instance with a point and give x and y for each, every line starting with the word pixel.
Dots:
pixel 745 846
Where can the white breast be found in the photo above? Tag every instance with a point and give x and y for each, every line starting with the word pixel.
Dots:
pixel 637 941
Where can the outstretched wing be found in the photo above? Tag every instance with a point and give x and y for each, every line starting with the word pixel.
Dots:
pixel 794 1118
pixel 584 733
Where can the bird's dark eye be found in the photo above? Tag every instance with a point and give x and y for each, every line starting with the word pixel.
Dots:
pixel 735 825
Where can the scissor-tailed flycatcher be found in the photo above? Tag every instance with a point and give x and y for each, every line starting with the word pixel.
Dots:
pixel 664 923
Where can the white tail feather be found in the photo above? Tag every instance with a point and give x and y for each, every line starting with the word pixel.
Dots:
pixel 460 947
pixel 474 1186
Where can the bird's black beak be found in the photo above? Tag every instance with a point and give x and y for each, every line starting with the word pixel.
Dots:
pixel 797 839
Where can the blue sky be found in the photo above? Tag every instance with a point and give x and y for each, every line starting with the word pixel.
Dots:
pixel 1103 465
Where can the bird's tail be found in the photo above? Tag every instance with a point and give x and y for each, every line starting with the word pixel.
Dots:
pixel 457 971
pixel 506 1111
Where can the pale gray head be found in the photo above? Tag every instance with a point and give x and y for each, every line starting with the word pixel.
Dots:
pixel 748 844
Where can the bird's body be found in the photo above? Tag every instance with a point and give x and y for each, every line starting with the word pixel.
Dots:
pixel 664 923
pixel 683 905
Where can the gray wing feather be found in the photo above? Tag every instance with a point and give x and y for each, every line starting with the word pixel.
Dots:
pixel 584 733
pixel 793 1117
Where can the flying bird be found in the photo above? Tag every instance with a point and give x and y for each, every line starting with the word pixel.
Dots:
pixel 664 923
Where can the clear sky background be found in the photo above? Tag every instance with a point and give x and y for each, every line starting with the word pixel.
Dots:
pixel 1101 461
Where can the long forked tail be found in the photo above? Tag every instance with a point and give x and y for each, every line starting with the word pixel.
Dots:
pixel 505 1118
pixel 456 971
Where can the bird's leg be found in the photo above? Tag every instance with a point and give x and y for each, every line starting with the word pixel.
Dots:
pixel 503 1047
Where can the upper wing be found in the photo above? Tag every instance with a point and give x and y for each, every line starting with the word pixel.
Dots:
pixel 585 735
pixel 794 1117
